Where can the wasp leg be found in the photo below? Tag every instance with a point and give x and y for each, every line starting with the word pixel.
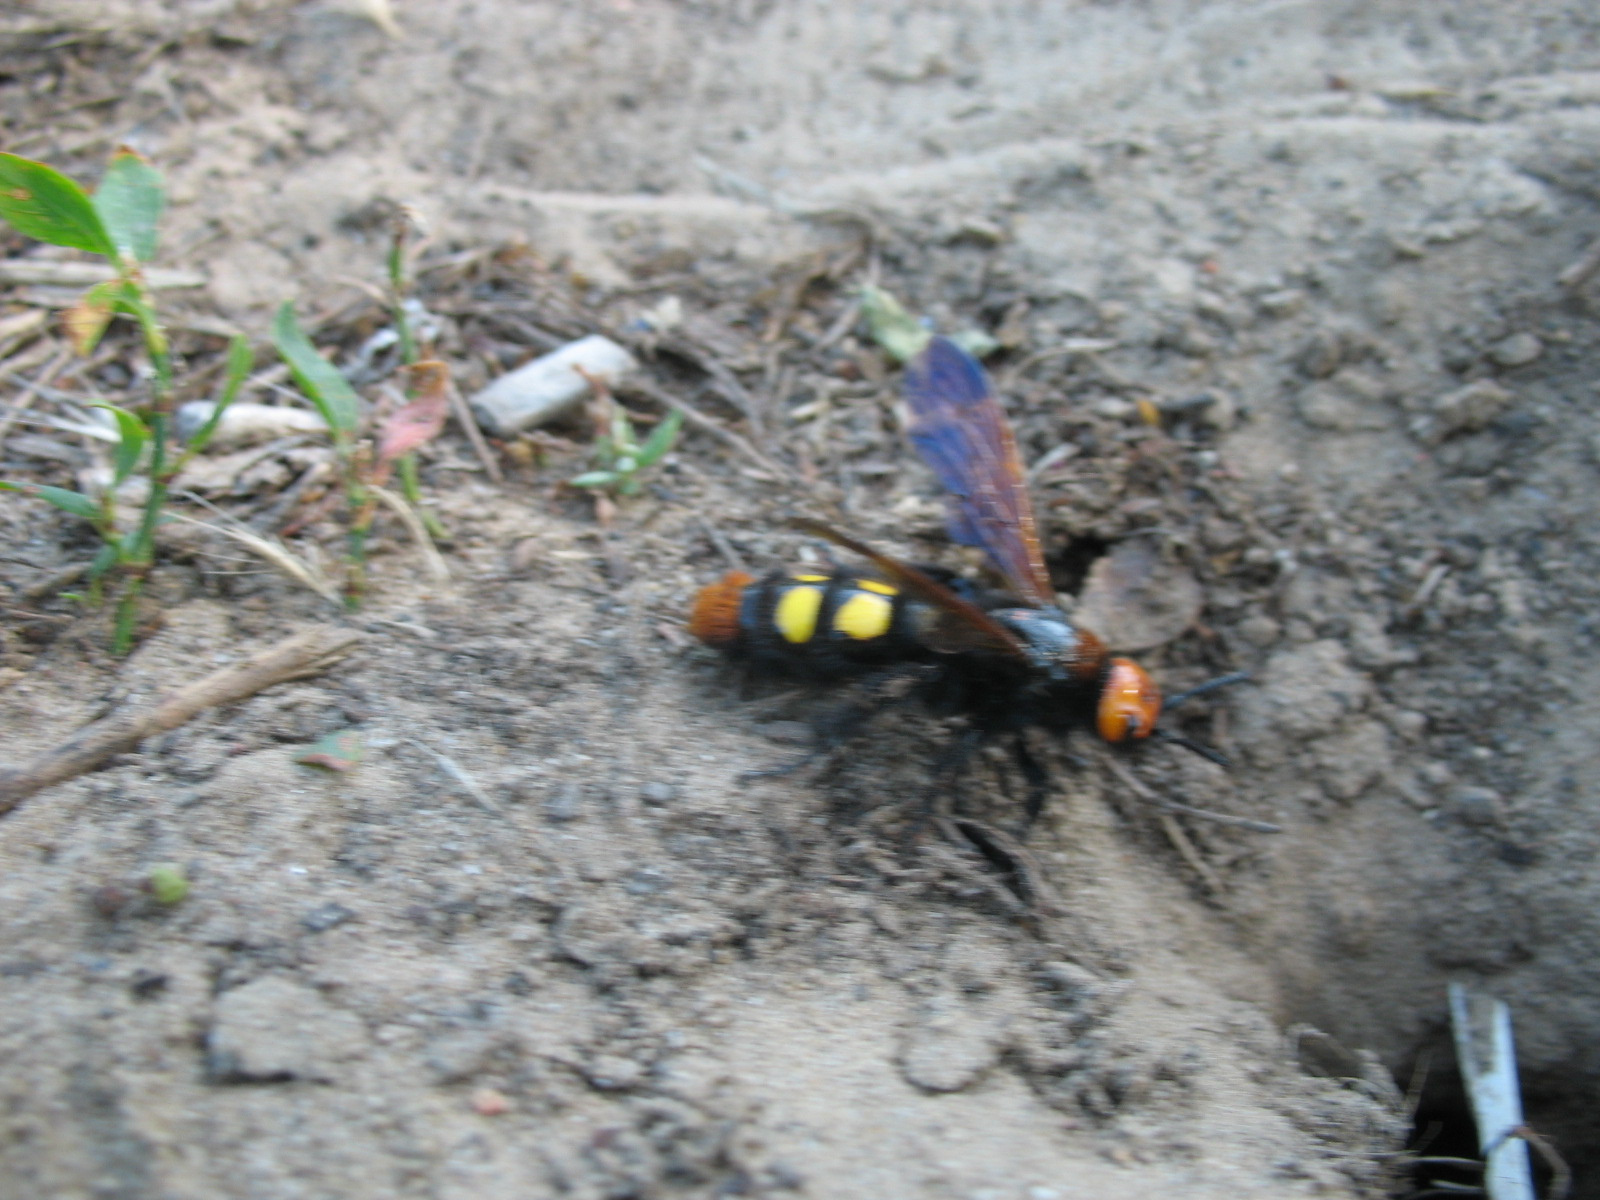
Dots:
pixel 833 730
pixel 947 768
pixel 1037 777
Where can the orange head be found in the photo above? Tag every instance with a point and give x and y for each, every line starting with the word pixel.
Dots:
pixel 1130 702
pixel 715 616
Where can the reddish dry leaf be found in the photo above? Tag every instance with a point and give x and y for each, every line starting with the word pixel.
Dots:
pixel 419 421
pixel 340 751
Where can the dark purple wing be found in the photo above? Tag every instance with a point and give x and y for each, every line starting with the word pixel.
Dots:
pixel 961 432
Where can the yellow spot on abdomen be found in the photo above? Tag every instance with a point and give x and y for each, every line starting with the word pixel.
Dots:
pixel 864 616
pixel 872 585
pixel 796 613
pixel 809 578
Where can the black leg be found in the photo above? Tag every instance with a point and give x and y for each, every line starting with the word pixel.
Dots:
pixel 835 728
pixel 1037 777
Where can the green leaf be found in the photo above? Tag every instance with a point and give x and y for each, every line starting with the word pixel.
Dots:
pixel 240 360
pixel 622 435
pixel 591 479
pixel 896 330
pixel 105 558
pixel 319 379
pixel 660 441
pixel 40 202
pixel 75 503
pixel 130 443
pixel 129 202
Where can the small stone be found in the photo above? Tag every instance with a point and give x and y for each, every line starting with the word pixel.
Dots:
pixel 1409 723
pixel 1469 409
pixel 565 803
pixel 613 1073
pixel 1260 630
pixel 646 881
pixel 1114 408
pixel 110 900
pixel 1282 304
pixel 274 1029
pixel 1070 979
pixel 460 1054
pixel 325 917
pixel 1518 350
pixel 657 794
pixel 949 1052
pixel 1476 806
pixel 1323 354
pixel 1436 774
pixel 487 1102
pixel 146 984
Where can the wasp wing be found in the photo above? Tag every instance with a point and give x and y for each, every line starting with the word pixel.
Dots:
pixel 961 432
pixel 962 625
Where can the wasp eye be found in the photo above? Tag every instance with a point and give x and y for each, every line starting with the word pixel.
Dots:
pixel 1130 702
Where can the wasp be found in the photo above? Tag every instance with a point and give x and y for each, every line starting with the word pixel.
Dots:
pixel 1008 661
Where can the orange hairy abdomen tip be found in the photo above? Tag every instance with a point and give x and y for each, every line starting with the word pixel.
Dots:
pixel 715 616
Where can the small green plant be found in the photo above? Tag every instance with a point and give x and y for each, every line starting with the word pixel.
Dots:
pixel 622 458
pixel 119 222
pixel 362 470
pixel 401 252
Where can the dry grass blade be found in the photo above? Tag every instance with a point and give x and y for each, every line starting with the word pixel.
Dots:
pixel 438 570
pixel 274 552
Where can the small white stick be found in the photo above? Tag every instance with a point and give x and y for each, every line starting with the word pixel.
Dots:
pixel 468 784
pixel 1488 1061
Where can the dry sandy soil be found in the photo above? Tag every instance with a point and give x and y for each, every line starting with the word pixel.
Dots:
pixel 1322 238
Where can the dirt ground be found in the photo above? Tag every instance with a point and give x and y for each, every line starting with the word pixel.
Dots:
pixel 546 940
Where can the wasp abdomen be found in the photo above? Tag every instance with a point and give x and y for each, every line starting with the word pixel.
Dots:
pixel 829 622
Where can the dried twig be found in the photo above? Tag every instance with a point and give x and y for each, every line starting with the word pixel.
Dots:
pixel 1132 782
pixel 307 653
pixel 469 425
pixel 1186 850
pixel 724 547
pixel 75 274
pixel 32 389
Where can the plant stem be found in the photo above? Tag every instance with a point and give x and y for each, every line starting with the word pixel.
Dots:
pixel 411 488
pixel 139 558
pixel 127 615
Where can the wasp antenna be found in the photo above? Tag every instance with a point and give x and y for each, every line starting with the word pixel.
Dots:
pixel 1210 685
pixel 1205 752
